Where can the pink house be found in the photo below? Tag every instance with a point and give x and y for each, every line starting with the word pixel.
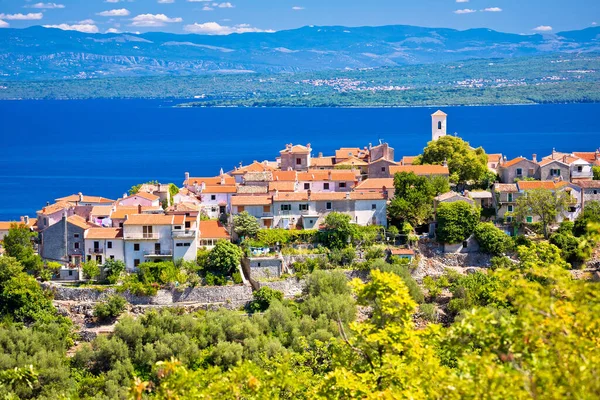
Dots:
pixel 140 199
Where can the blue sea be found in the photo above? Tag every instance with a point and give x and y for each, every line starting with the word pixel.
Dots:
pixel 51 149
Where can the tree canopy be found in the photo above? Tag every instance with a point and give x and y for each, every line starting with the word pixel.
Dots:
pixel 544 204
pixel 456 221
pixel 245 225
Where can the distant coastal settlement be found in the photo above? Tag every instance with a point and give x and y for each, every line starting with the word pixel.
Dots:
pixel 534 80
pixel 299 192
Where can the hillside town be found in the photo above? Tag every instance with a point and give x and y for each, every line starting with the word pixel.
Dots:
pixel 296 190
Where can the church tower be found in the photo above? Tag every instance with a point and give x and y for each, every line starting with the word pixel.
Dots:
pixel 438 124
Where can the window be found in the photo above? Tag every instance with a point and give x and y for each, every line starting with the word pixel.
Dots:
pixel 76 245
pixel 186 244
pixel 555 172
pixel 529 220
pixel 120 224
pixel 508 219
pixel 510 197
pixel 510 208
pixel 373 206
pixel 595 192
pixel 266 209
pixel 136 247
pixel 187 224
pixel 177 227
pixel 439 124
pixel 179 244
pixel 89 258
pixel 465 244
pixel 286 207
pixel 45 221
pixel 99 259
pixel 298 161
pixel 258 264
pixel 342 184
pixel 306 186
pixel 109 245
pixel 76 235
pixel 241 209
pixel 213 196
pixel 96 246
pixel 382 169
pixel 136 262
pixel 328 205
pixel 147 230
pixel 326 186
pixel 70 272
pixel 519 172
pixel 303 207
pixel 579 168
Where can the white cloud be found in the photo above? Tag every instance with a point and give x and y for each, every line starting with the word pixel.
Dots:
pixel 87 22
pixel 465 11
pixel 214 28
pixel 22 17
pixel 297 8
pixel 207 8
pixel 153 20
pixel 166 1
pixel 462 1
pixel 46 6
pixel 86 28
pixel 492 9
pixel 594 23
pixel 112 30
pixel 121 12
pixel 543 28
pixel 223 5
pixel 4 24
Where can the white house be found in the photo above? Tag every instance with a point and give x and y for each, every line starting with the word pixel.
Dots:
pixel 214 194
pixel 102 244
pixel 328 181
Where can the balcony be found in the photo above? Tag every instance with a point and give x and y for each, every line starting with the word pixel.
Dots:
pixel 184 234
pixel 140 236
pixel 161 253
pixel 96 250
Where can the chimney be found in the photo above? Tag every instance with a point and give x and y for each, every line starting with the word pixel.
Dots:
pixel 124 195
pixel 139 208
pixel 159 187
pixel 308 145
pixel 505 159
pixel 347 195
pixel 47 203
pixel 26 220
pixel 80 196
pixel 370 146
pixel 203 187
pixel 534 157
pixel 320 154
pixel 597 154
pixel 187 177
pixel 553 152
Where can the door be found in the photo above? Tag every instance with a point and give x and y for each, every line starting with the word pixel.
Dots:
pixel 96 246
pixel 156 248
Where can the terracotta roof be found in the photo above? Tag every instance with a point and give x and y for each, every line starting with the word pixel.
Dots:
pixel 284 175
pixel 349 152
pixel 439 113
pixel 122 211
pixel 353 161
pixel 408 160
pixel 149 219
pixel 104 233
pixel 506 187
pixel 287 196
pixel 86 199
pixel 213 230
pixel 367 196
pixel 448 195
pixel 589 156
pixel 228 180
pixel 331 175
pixel 480 194
pixel 5 225
pixel 178 219
pixel 298 149
pixel 547 161
pixel 101 211
pixel 254 167
pixel 145 195
pixel 282 186
pixel 421 170
pixel 219 189
pixel 375 184
pixel 329 196
pixel 532 185
pixel 58 206
pixel 251 200
pixel 494 158
pixel 80 222
pixel 514 161
pixel 184 207
pixel 321 162
pixel 589 184
pixel 402 252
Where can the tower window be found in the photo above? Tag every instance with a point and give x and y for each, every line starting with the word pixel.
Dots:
pixel 439 124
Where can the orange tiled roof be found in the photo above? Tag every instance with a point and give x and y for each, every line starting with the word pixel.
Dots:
pixel 353 161
pixel 296 149
pixel 213 230
pixel 58 206
pixel 547 161
pixel 251 200
pixel 589 156
pixel 514 161
pixel 149 219
pixel 227 180
pixel 589 184
pixel 495 158
pixel 286 196
pixel 506 187
pixel 220 189
pixel 402 252
pixel 254 167
pixel 439 113
pixel 284 175
pixel 375 184
pixel 321 162
pixel 86 199
pixel 367 196
pixel 332 175
pixel 80 222
pixel 282 186
pixel 101 211
pixel 549 185
pixel 408 160
pixel 329 196
pixel 420 169
pixel 145 195
pixel 122 211
pixel 348 152
pixel 184 207
pixel 104 233
pixel 5 225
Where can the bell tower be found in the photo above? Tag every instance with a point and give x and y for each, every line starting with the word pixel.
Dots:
pixel 438 124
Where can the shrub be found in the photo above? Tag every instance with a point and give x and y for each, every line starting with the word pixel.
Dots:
pixel 224 258
pixel 501 262
pixel 237 277
pixel 215 280
pixel 110 309
pixel 90 269
pixel 374 253
pixel 114 269
pixel 491 239
pixel 263 299
pixel 402 270
pixel 432 286
pixel 429 312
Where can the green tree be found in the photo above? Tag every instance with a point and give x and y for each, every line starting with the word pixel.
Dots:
pixel 90 269
pixel 491 239
pixel 543 204
pixel 263 298
pixel 18 243
pixel 596 171
pixel 413 199
pixel 113 269
pixel 245 225
pixel 136 188
pixel 110 309
pixel 464 163
pixel 590 214
pixel 224 258
pixel 338 230
pixel 456 221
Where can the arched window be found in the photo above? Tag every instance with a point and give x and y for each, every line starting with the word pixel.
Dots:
pixel 439 124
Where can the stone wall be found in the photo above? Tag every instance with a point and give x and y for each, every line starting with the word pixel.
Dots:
pixel 265 267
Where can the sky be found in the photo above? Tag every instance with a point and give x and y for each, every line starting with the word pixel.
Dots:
pixel 239 16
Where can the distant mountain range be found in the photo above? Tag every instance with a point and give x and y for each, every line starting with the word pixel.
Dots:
pixel 42 53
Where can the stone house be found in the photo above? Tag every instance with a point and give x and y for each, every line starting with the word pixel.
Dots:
pixel 421 170
pixel 505 199
pixel 554 170
pixel 518 169
pixel 295 157
pixel 590 191
pixel 381 168
pixel 450 197
pixel 327 181
pixel 64 241
pixel 259 206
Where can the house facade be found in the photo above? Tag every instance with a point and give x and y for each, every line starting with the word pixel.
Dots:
pixel 295 157
pixel 590 191
pixel 103 244
pixel 259 206
pixel 64 241
pixel 518 169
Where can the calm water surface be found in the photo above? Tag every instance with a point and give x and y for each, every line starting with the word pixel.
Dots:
pixel 51 149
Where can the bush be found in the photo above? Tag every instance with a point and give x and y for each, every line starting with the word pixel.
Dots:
pixel 237 277
pixel 90 269
pixel 342 257
pixel 309 265
pixel 110 309
pixel 456 221
pixel 263 299
pixel 215 280
pixel 114 269
pixel 491 239
pixel 429 312
pixel 501 262
pixel 401 269
pixel 224 258
pixel 374 253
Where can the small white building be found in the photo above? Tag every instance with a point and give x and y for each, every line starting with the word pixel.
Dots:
pixel 103 244
pixel 439 120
